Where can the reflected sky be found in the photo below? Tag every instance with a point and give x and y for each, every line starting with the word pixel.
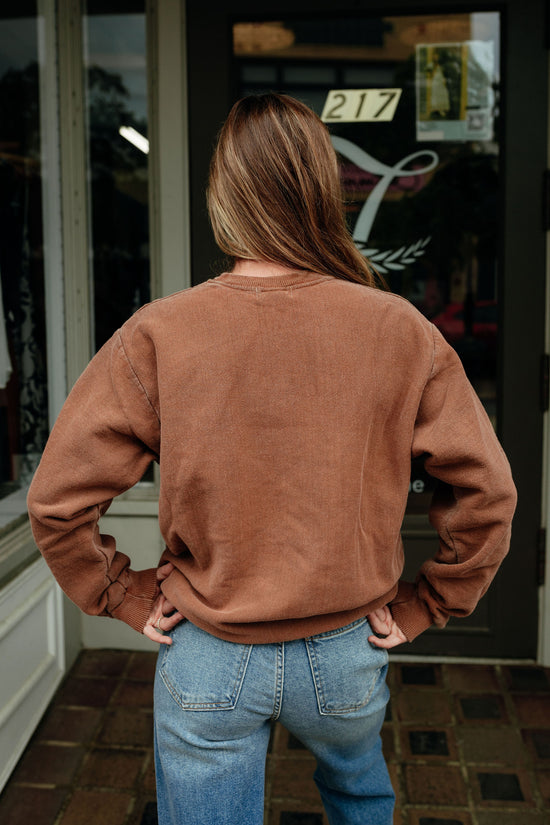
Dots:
pixel 116 43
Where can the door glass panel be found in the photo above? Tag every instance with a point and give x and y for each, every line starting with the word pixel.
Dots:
pixel 23 369
pixel 414 116
pixel 116 97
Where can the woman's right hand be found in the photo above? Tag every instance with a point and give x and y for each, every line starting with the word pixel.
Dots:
pixel 382 622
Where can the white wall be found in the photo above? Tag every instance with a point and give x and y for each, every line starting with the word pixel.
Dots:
pixel 32 656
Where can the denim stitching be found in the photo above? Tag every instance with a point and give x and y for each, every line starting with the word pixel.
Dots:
pixel 315 673
pixel 201 706
pixel 279 681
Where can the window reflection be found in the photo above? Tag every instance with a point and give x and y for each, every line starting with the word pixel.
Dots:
pixel 115 44
pixel 23 373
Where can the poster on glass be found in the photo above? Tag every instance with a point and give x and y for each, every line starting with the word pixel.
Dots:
pixel 455 96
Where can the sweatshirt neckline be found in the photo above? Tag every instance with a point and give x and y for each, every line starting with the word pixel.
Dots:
pixel 289 280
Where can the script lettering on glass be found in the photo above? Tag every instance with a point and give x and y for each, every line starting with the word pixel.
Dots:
pixel 384 260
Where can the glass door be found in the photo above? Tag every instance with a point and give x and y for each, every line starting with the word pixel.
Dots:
pixel 412 104
pixel 419 113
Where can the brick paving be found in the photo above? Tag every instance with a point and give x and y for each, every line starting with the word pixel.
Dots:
pixel 466 745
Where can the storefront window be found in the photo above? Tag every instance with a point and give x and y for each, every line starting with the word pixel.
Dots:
pixel 23 368
pixel 116 94
pixel 412 104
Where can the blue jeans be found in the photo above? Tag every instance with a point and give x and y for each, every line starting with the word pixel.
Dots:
pixel 214 705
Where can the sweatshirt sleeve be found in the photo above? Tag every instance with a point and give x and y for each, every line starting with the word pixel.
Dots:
pixel 104 439
pixel 472 507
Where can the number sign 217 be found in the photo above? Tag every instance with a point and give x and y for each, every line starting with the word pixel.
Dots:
pixel 360 105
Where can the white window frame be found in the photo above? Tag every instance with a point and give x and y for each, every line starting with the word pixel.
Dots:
pixel 168 155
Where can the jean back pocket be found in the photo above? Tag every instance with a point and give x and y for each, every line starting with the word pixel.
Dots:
pixel 346 668
pixel 203 672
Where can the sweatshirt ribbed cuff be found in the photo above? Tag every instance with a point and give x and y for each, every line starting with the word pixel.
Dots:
pixel 136 605
pixel 410 613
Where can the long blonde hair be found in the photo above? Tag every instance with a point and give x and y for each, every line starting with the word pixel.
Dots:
pixel 274 190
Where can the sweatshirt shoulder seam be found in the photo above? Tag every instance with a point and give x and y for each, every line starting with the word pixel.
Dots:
pixel 136 376
pixel 178 295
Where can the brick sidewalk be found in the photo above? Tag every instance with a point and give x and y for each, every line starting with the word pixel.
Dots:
pixel 466 745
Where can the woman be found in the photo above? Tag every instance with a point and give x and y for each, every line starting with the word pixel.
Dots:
pixel 284 400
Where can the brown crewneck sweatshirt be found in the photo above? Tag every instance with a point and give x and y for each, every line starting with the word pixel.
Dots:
pixel 284 412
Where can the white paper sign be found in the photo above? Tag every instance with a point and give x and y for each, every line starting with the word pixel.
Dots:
pixel 360 105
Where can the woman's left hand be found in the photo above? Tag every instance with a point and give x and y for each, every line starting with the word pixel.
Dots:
pixel 163 616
